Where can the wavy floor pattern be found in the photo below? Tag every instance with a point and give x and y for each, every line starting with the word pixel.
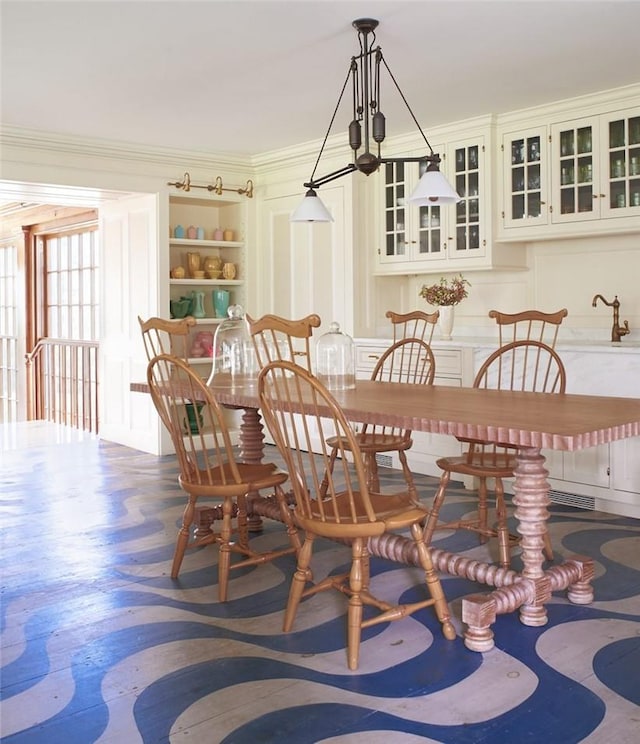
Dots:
pixel 100 645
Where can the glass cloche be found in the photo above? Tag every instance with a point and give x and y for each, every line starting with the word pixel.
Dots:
pixel 335 359
pixel 234 358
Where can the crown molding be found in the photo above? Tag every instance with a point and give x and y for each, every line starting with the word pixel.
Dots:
pixel 17 137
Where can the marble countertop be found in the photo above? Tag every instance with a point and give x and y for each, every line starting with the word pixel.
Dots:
pixel 626 346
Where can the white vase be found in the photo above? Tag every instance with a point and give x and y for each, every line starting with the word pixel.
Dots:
pixel 445 321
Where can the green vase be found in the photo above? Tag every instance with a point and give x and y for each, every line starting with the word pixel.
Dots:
pixel 194 421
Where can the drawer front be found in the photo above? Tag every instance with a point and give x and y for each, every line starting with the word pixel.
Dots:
pixel 448 361
pixel 367 356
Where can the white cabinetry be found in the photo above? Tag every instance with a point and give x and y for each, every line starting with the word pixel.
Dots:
pixel 571 176
pixel 453 367
pixel 607 475
pixel 455 238
pixel 596 172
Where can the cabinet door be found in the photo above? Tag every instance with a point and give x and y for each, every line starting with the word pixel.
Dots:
pixel 575 171
pixel 620 164
pixel 467 236
pixel 525 158
pixel 590 466
pixel 410 233
pixel 625 464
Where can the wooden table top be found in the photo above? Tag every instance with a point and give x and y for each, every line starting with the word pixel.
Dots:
pixel 537 420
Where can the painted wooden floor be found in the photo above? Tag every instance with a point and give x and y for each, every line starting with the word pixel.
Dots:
pixel 100 645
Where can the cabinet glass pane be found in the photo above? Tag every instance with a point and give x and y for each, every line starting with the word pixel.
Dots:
pixel 395 216
pixel 525 177
pixel 429 230
pixel 468 188
pixel 624 163
pixel 576 171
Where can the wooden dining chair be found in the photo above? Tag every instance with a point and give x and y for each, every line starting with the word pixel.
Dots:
pixel 408 361
pixel 346 511
pixel 416 324
pixel 277 338
pixel 209 468
pixel 519 365
pixel 161 336
pixel 529 325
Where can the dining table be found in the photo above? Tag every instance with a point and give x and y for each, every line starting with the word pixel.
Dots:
pixel 528 421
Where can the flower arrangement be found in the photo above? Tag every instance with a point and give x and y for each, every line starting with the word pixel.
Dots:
pixel 445 292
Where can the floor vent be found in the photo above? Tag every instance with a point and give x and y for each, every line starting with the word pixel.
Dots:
pixel 384 461
pixel 572 499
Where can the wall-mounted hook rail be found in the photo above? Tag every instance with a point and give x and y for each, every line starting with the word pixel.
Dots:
pixel 216 187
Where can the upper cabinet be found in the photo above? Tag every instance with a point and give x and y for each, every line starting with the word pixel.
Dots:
pixel 417 239
pixel 596 173
pixel 571 177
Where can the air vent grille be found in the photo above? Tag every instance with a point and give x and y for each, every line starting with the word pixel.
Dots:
pixel 572 499
pixel 384 461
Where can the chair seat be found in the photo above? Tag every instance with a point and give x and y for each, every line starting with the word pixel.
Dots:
pixel 379 442
pixel 498 465
pixel 393 511
pixel 255 477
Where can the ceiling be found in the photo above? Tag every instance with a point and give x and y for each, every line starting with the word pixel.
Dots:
pixel 248 77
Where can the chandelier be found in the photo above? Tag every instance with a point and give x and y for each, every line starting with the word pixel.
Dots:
pixel 367 132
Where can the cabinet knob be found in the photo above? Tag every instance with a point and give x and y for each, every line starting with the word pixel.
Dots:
pixel 373 356
pixel 543 203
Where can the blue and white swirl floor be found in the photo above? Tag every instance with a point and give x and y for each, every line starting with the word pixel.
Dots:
pixel 100 645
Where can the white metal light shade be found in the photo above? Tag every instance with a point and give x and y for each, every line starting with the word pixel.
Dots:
pixel 311 209
pixel 433 188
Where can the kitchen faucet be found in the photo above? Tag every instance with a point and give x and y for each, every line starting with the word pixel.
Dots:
pixel 617 331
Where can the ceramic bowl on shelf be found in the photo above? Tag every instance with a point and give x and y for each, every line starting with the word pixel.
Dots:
pixel 198 274
pixel 214 274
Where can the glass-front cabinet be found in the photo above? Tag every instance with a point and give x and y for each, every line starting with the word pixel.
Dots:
pixel 596 167
pixel 437 238
pixel 525 158
pixel 410 232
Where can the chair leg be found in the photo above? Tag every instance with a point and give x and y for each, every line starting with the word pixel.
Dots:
pixel 371 468
pixel 354 618
pixel 408 476
pixel 433 583
pixel 242 523
pixel 292 532
pixel 432 520
pixel 483 510
pixel 224 554
pixel 502 527
pixel 182 539
pixel 300 578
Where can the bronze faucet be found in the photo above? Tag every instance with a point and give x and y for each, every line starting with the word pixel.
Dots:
pixel 617 331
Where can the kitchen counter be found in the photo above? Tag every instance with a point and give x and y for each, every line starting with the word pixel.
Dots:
pixel 628 345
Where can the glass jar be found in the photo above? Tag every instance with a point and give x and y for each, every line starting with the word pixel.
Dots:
pixel 335 359
pixel 235 365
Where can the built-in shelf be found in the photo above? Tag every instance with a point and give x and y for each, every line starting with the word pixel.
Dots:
pixel 207 243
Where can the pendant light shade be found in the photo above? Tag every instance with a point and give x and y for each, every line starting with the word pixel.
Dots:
pixel 433 189
pixel 311 209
